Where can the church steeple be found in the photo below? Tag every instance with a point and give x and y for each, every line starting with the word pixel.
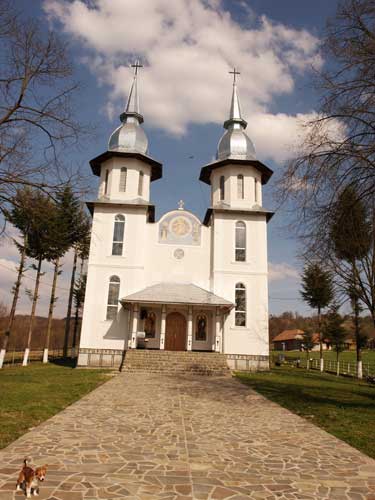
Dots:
pixel 129 136
pixel 235 143
pixel 132 106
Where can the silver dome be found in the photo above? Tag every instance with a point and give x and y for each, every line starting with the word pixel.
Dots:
pixel 130 136
pixel 235 143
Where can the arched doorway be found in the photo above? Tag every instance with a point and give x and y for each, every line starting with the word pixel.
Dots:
pixel 175 334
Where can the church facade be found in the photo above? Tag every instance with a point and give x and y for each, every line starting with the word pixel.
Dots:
pixel 177 283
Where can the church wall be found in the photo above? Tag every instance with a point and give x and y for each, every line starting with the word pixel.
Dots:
pixel 231 189
pixel 134 166
pixel 252 339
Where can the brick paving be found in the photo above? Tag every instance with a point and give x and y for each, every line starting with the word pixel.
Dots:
pixel 173 437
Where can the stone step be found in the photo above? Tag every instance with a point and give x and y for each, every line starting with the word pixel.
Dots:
pixel 179 362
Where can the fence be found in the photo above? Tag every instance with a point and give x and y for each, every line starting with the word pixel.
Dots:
pixel 15 357
pixel 348 368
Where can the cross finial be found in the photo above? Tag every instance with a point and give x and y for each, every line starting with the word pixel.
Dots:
pixel 234 73
pixel 181 205
pixel 136 65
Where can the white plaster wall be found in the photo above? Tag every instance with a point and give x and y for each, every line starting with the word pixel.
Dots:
pixel 134 166
pixel 230 173
pixel 252 339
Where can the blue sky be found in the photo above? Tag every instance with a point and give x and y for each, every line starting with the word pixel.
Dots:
pixel 185 92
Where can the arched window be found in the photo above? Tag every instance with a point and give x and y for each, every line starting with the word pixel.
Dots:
pixel 256 190
pixel 240 311
pixel 201 328
pixel 240 187
pixel 240 241
pixel 113 294
pixel 222 187
pixel 150 325
pixel 140 183
pixel 122 185
pixel 106 182
pixel 118 235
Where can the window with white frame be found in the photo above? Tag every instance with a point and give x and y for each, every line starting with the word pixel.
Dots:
pixel 240 300
pixel 240 187
pixel 240 249
pixel 140 183
pixel 222 187
pixel 118 235
pixel 113 295
pixel 122 184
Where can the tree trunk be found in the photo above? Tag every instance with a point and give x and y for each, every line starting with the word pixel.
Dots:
pixel 320 341
pixel 337 363
pixel 33 308
pixel 50 311
pixel 356 321
pixel 76 317
pixel 69 311
pixel 12 314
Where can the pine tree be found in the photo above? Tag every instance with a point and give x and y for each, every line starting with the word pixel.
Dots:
pixel 335 332
pixel 350 233
pixel 317 291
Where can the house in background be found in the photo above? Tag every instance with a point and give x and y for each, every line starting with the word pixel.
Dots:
pixel 292 340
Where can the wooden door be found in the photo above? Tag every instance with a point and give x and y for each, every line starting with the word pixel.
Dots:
pixel 175 334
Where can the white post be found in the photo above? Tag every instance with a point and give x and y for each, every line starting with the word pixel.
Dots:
pixel 359 369
pixel 338 368
pixel 26 357
pixel 45 355
pixel 190 329
pixel 2 357
pixel 218 331
pixel 135 325
pixel 162 327
pixel 322 364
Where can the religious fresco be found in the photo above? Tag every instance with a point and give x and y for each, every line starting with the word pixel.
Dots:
pixel 180 228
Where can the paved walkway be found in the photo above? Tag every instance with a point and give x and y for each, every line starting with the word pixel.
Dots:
pixel 158 437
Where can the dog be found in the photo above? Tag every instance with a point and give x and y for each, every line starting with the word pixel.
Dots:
pixel 29 479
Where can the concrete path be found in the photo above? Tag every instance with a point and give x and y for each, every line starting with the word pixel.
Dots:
pixel 159 437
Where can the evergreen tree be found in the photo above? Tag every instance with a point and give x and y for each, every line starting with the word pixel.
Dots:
pixel 68 219
pixel 20 217
pixel 335 332
pixel 350 234
pixel 42 238
pixel 79 298
pixel 317 291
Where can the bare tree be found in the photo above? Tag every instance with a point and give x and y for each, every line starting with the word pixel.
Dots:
pixel 36 109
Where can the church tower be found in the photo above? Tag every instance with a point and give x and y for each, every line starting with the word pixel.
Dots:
pixel 238 225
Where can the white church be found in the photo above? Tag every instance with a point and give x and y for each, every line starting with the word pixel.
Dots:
pixel 177 283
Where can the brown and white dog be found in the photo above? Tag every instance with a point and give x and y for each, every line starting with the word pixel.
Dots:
pixel 29 479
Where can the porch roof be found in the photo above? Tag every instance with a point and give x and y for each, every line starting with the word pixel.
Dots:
pixel 177 293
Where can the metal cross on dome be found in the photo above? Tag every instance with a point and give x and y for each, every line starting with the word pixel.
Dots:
pixel 181 205
pixel 136 65
pixel 234 73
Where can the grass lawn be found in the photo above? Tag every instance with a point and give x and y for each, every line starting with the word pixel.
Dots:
pixel 342 406
pixel 30 395
pixel 368 356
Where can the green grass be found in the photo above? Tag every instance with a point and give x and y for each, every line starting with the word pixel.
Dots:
pixel 343 407
pixel 368 356
pixel 30 395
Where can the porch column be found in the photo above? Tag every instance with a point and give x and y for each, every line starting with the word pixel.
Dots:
pixel 129 327
pixel 218 339
pixel 190 329
pixel 162 326
pixel 135 325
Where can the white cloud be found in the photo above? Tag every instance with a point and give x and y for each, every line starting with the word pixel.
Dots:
pixel 187 47
pixel 282 271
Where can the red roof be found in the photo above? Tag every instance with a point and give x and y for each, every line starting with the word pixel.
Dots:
pixel 289 335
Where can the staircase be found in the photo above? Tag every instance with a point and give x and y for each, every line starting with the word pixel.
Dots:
pixel 175 362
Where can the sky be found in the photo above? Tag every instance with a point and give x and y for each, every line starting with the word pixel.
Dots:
pixel 187 48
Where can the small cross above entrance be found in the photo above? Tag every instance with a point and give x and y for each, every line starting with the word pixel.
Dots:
pixel 181 205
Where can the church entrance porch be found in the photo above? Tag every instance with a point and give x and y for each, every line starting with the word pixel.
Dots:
pixel 175 334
